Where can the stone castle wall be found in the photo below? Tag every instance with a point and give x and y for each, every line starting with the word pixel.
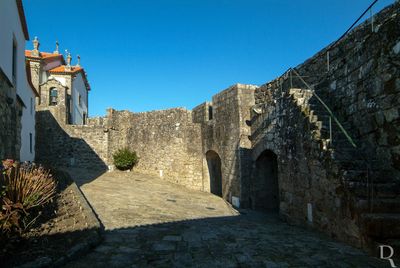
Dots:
pixel 226 133
pixel 309 180
pixel 362 87
pixel 360 84
pixel 64 145
pixel 167 142
pixel 10 120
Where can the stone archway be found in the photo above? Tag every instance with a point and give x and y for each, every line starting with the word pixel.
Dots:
pixel 214 170
pixel 265 187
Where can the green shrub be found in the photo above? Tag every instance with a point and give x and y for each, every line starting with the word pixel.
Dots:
pixel 125 159
pixel 24 192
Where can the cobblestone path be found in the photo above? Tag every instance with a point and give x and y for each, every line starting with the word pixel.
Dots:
pixel 152 223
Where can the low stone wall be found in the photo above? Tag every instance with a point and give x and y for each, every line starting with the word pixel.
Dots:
pixel 89 144
pixel 63 145
pixel 167 143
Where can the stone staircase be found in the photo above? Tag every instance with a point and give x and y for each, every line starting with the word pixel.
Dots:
pixel 374 193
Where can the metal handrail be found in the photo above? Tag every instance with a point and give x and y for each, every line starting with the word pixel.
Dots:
pixel 291 70
pixel 330 47
pixel 369 8
pixel 370 182
pixel 333 45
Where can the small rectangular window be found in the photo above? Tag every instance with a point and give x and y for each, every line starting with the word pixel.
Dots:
pixel 14 62
pixel 210 112
pixel 30 143
pixel 31 106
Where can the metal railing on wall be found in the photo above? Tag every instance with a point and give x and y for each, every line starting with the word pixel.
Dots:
pixel 293 73
pixel 324 105
pixel 330 47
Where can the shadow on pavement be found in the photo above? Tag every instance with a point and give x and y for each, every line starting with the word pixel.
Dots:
pixel 248 240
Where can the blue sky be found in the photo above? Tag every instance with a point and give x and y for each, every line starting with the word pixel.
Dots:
pixel 151 55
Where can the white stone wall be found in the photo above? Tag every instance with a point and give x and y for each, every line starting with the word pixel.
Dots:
pixel 79 89
pixel 27 152
pixel 61 79
pixel 11 31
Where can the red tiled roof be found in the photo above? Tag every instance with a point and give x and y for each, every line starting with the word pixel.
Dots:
pixel 74 70
pixel 62 69
pixel 42 55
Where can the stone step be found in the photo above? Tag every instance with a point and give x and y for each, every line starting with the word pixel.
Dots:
pixel 371 177
pixel 355 174
pixel 348 158
pixel 318 123
pixel 341 141
pixel 381 225
pixel 339 135
pixel 293 91
pixel 296 95
pixel 325 132
pixel 315 101
pixel 325 128
pixel 382 175
pixel 345 149
pixel 316 105
pixel 319 111
pixel 325 125
pixel 379 190
pixel 380 205
pixel 347 126
pixel 345 146
pixel 313 118
pixel 351 164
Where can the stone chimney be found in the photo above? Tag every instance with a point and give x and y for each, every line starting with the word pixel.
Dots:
pixel 56 51
pixel 78 64
pixel 36 44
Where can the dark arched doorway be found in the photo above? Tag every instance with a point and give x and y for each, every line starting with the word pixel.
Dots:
pixel 265 188
pixel 214 170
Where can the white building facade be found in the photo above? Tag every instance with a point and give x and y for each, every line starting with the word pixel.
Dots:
pixel 13 35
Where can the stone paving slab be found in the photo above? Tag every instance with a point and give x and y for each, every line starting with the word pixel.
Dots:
pixel 144 229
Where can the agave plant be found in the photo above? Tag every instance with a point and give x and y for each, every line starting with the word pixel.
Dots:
pixel 24 190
